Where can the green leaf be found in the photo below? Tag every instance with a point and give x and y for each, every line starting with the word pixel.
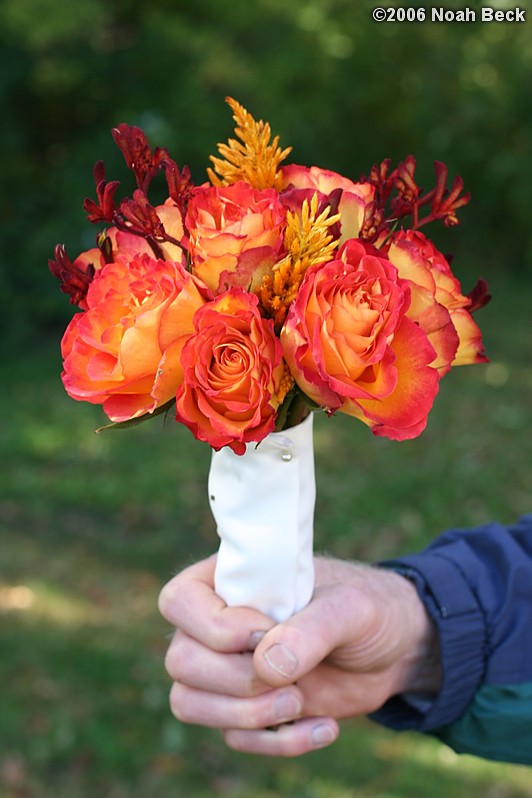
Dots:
pixel 133 422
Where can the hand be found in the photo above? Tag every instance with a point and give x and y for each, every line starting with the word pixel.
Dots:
pixel 280 688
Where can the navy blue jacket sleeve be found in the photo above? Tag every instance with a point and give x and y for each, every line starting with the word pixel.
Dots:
pixel 477 586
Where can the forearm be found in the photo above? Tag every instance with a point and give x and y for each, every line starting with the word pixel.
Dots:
pixel 477 587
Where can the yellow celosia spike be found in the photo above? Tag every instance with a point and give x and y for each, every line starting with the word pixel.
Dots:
pixel 307 236
pixel 286 385
pixel 253 158
pixel 307 241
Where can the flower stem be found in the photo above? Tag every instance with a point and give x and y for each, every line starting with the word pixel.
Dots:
pixel 293 411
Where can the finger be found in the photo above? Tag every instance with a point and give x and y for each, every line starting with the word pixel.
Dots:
pixel 189 602
pixel 293 648
pixel 295 739
pixel 328 690
pixel 194 665
pixel 221 711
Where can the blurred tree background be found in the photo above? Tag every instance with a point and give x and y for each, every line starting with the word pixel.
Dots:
pixel 344 91
pixel 87 536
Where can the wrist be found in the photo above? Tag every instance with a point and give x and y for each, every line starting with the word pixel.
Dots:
pixel 418 669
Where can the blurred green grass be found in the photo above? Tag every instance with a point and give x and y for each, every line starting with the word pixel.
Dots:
pixel 91 526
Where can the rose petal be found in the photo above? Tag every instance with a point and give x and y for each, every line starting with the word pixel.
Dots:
pixel 403 414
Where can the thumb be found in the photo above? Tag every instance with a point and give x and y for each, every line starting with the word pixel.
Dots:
pixel 291 649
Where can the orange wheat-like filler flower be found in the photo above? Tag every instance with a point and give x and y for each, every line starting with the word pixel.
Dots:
pixel 253 159
pixel 308 241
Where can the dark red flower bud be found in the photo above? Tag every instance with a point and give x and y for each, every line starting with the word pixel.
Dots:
pixel 141 217
pixel 332 202
pixel 105 209
pixel 105 245
pixel 409 199
pixel 378 175
pixel 445 203
pixel 372 223
pixel 134 146
pixel 404 180
pixel 179 183
pixel 75 278
pixel 479 295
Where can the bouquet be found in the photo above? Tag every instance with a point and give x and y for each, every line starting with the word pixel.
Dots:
pixel 247 303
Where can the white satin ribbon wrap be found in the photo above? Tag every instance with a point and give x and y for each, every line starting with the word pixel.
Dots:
pixel 263 504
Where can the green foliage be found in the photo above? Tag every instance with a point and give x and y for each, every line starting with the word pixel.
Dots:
pixel 342 90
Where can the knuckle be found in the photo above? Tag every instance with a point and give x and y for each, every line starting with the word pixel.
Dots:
pixel 257 712
pixel 222 634
pixel 167 601
pixel 169 663
pixel 218 637
pixel 164 601
pixel 252 714
pixel 239 741
pixel 171 660
pixel 178 661
pixel 179 705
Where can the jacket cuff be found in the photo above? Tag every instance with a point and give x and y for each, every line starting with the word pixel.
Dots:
pixel 461 628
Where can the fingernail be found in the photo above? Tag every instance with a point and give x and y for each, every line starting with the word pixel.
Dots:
pixel 254 639
pixel 287 707
pixel 281 659
pixel 322 735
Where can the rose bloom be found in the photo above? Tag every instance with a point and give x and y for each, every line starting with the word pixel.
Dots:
pixel 355 196
pixel 129 245
pixel 235 234
pixel 123 352
pixel 351 347
pixel 438 304
pixel 232 372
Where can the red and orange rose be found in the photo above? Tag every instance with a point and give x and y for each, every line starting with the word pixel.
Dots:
pixel 123 351
pixel 437 300
pixel 351 346
pixel 235 234
pixel 232 372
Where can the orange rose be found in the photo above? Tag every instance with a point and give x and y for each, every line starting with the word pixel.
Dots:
pixel 122 244
pixel 124 351
pixel 232 372
pixel 355 196
pixel 351 347
pixel 438 304
pixel 235 234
